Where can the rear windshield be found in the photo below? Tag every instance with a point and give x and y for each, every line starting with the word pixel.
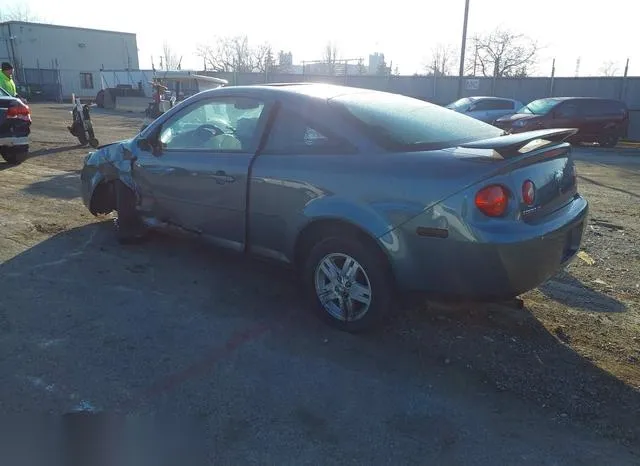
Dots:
pixel 400 123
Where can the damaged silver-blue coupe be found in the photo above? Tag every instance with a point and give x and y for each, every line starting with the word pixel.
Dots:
pixel 367 194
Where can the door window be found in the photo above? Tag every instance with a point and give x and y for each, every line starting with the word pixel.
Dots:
pixel 493 104
pixel 222 125
pixel 294 134
pixel 567 110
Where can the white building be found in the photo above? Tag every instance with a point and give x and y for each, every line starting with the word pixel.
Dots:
pixel 68 58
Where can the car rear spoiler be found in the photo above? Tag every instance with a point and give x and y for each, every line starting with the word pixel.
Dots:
pixel 511 145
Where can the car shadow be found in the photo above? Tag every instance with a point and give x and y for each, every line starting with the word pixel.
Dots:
pixel 613 188
pixel 123 310
pixel 57 150
pixel 568 290
pixel 62 186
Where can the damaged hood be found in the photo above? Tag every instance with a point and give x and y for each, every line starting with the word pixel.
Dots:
pixel 113 161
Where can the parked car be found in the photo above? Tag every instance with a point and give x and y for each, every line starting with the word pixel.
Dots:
pixel 15 127
pixel 367 194
pixel 604 121
pixel 487 109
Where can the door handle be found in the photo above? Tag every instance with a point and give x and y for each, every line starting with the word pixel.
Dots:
pixel 222 177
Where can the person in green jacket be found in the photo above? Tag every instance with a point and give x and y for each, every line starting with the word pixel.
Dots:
pixel 6 79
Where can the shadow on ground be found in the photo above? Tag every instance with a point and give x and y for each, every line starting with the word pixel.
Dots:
pixel 57 150
pixel 129 312
pixel 568 290
pixel 63 186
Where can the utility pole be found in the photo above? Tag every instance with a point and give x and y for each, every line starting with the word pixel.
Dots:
pixel 463 47
pixel 623 88
pixel 553 77
pixel 626 68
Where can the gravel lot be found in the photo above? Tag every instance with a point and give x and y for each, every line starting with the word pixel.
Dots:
pixel 174 328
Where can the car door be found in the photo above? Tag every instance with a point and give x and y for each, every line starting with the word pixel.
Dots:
pixel 197 176
pixel 565 115
pixel 503 107
pixel 302 152
pixel 485 109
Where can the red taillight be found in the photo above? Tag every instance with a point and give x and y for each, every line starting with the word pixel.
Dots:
pixel 21 112
pixel 492 200
pixel 528 192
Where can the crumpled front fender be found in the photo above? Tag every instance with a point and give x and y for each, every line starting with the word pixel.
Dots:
pixel 108 163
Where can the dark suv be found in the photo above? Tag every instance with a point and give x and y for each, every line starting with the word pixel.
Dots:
pixel 604 121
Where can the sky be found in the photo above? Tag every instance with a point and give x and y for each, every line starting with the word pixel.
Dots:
pixel 404 30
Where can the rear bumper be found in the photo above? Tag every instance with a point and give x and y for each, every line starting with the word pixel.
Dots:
pixel 490 266
pixel 13 141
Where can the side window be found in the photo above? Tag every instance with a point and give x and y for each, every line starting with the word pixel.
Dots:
pixel 505 105
pixel 493 104
pixel 294 134
pixel 568 110
pixel 483 105
pixel 226 124
pixel 607 108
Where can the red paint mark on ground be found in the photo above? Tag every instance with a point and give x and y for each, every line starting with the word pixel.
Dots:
pixel 171 381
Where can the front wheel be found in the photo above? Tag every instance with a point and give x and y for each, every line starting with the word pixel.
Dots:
pixel 348 283
pixel 14 155
pixel 609 141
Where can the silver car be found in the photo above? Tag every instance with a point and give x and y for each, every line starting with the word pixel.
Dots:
pixel 364 193
pixel 487 109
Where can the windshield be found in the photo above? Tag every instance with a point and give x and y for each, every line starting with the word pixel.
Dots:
pixel 539 107
pixel 400 123
pixel 4 93
pixel 461 104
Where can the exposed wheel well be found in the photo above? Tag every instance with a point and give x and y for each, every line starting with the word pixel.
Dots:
pixel 319 229
pixel 103 200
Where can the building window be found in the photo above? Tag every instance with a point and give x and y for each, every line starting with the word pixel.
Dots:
pixel 86 80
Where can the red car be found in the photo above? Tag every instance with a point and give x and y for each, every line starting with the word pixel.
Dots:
pixel 604 121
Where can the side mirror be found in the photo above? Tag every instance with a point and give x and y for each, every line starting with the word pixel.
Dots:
pixel 150 144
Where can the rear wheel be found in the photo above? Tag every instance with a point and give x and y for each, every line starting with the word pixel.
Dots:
pixel 610 140
pixel 14 155
pixel 348 283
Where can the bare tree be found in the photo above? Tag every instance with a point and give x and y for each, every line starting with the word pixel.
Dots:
pixel 20 12
pixel 229 54
pixel 330 57
pixel 441 60
pixel 502 53
pixel 609 68
pixel 263 58
pixel 169 58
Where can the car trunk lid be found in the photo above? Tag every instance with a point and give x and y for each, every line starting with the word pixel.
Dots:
pixel 535 158
pixel 15 118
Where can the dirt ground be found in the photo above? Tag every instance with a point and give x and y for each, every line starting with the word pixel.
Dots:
pixel 573 352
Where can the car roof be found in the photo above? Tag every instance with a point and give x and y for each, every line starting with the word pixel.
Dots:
pixel 318 90
pixel 478 97
pixel 580 98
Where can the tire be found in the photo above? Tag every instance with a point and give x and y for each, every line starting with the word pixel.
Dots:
pixel 609 141
pixel 128 226
pixel 93 142
pixel 82 139
pixel 14 155
pixel 371 272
